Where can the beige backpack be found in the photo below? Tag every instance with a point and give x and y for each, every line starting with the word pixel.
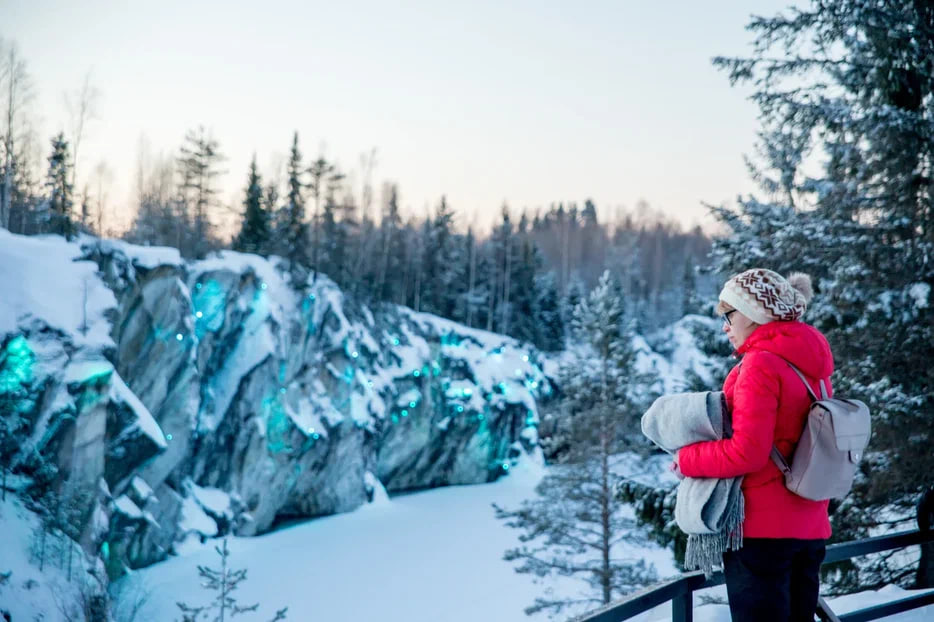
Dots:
pixel 835 435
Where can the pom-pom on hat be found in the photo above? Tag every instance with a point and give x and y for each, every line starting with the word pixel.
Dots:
pixel 765 296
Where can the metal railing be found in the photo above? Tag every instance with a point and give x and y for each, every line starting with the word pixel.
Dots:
pixel 680 591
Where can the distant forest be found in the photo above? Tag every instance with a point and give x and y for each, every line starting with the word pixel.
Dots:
pixel 521 279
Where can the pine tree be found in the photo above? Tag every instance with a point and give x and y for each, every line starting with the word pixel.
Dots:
pixel 392 248
pixel 576 524
pixel 295 229
pixel 439 265
pixel 324 179
pixel 255 230
pixel 853 81
pixel 61 220
pixel 198 159
pixel 547 313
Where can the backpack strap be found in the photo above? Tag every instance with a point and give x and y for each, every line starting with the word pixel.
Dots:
pixel 776 455
pixel 823 388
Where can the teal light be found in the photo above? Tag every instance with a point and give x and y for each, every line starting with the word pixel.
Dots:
pixel 395 419
pixel 311 296
pixel 416 372
pixel 316 436
pixel 411 404
pixel 480 417
pixel 525 357
pixel 534 384
pixel 467 392
pixel 282 390
pixel 16 365
pixel 197 285
pixel 505 466
pixel 179 337
pixel 405 413
pixel 168 437
pixel 199 315
pixel 355 354
pixel 395 342
pixel 460 409
pixel 263 287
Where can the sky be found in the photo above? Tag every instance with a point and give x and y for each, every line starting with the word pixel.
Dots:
pixel 523 102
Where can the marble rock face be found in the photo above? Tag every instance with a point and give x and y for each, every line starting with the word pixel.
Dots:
pixel 230 400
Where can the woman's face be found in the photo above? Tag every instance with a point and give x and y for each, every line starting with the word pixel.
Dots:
pixel 737 327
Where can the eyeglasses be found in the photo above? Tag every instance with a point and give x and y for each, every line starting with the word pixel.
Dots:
pixel 726 316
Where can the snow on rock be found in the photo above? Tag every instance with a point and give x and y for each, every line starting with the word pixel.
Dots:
pixel 38 275
pixel 125 506
pixel 195 520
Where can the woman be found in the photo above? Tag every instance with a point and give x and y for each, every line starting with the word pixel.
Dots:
pixel 775 575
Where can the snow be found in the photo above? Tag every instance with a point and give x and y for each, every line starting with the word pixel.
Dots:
pixel 194 519
pixel 148 257
pixel 125 506
pixel 119 392
pixel 29 594
pixel 140 487
pixel 37 273
pixel 427 556
pixel 214 500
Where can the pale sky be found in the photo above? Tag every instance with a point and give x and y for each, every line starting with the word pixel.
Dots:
pixel 517 101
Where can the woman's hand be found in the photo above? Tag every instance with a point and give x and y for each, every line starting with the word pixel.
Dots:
pixel 676 468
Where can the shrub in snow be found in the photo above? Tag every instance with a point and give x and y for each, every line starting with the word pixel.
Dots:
pixel 224 581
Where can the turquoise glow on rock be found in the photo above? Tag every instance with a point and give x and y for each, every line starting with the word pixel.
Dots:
pixel 168 437
pixel 16 365
pixel 416 373
pixel 179 337
pixel 411 404
pixel 395 342
pixel 210 301
pixel 278 424
pixel 405 413
pixel 395 419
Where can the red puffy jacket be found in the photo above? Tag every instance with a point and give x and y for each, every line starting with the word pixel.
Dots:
pixel 769 405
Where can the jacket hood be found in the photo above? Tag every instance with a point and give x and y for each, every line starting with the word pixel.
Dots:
pixel 801 344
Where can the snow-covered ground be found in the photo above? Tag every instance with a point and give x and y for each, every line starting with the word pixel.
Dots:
pixel 429 556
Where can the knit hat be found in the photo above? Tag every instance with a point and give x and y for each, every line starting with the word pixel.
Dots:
pixel 765 296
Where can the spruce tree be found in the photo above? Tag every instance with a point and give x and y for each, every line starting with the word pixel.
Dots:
pixel 255 229
pixel 61 219
pixel 295 229
pixel 850 82
pixel 198 161
pixel 576 526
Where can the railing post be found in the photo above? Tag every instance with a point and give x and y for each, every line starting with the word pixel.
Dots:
pixel 682 607
pixel 925 576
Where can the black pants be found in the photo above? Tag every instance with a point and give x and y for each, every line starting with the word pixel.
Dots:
pixel 774 579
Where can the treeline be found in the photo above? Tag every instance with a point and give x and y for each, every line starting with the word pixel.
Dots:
pixel 520 279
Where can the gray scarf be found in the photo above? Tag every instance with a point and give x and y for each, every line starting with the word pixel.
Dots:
pixel 709 510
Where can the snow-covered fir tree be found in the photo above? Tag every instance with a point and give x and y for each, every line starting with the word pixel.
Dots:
pixel 577 526
pixel 255 230
pixel 848 85
pixel 60 202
